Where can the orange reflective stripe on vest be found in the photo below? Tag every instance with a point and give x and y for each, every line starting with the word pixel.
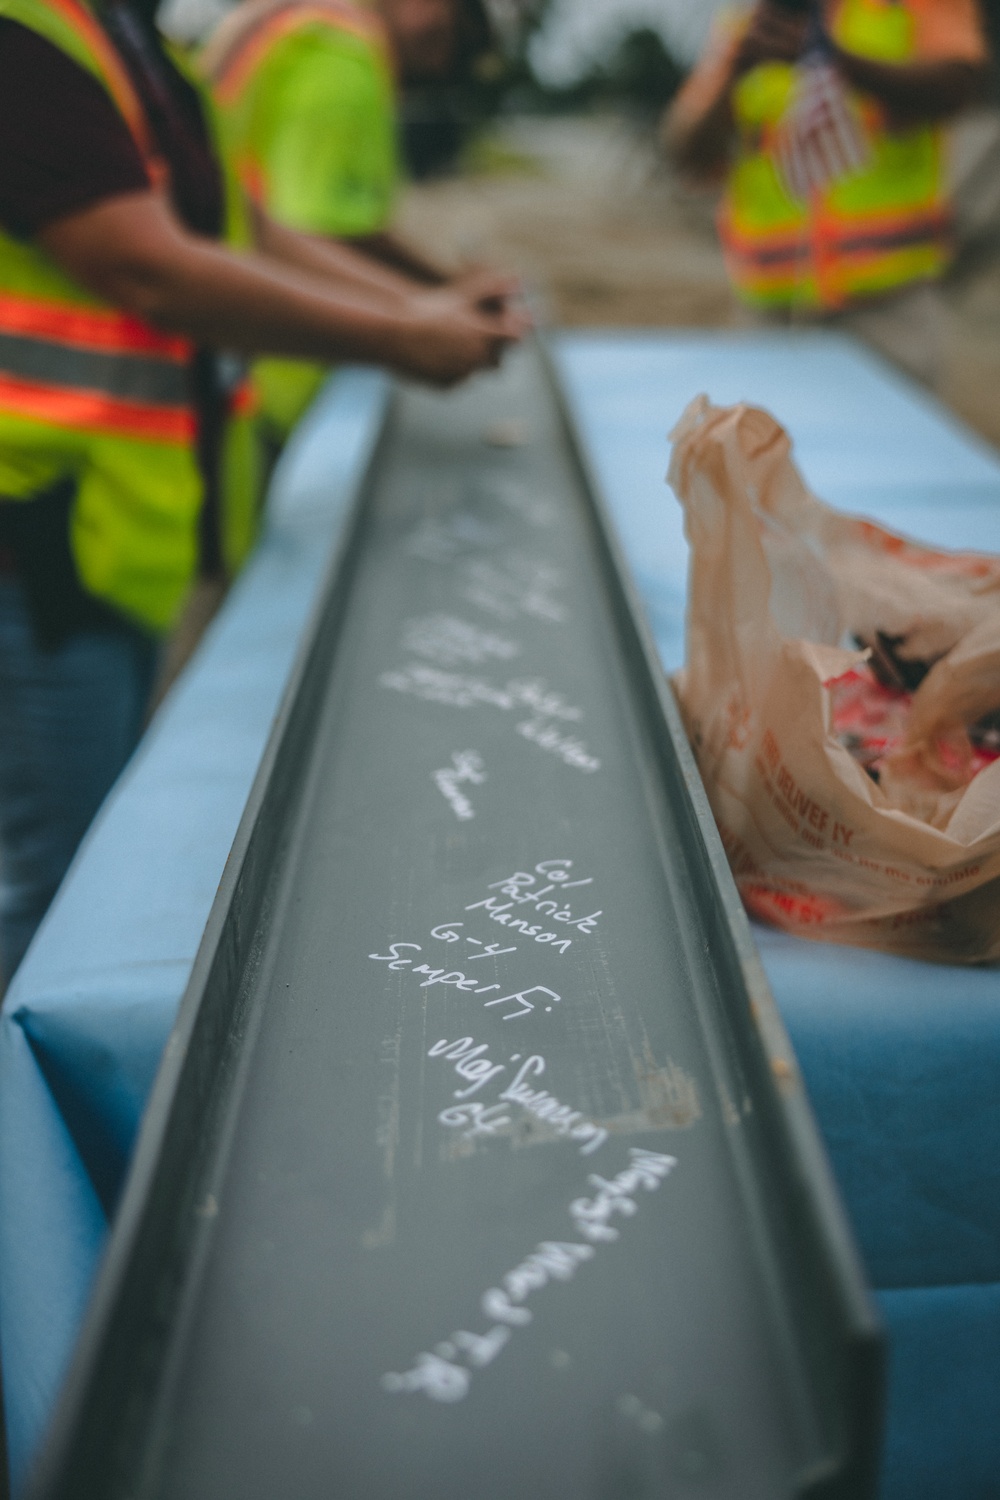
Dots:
pixel 244 401
pixel 831 235
pixel 873 227
pixel 96 368
pixel 113 70
pixel 89 327
pixel 833 259
pixel 889 232
pixel 91 392
pixel 93 367
pixel 760 249
pixel 96 411
pixel 254 29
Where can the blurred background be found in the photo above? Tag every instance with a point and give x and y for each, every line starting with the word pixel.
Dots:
pixel 560 177
pixel 547 162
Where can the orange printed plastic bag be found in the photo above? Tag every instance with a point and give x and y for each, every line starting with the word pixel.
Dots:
pixel 841 691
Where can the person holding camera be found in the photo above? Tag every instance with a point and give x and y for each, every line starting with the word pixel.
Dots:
pixel 824 120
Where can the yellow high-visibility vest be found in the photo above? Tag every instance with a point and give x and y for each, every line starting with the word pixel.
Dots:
pixel 868 232
pixel 95 395
pixel 307 94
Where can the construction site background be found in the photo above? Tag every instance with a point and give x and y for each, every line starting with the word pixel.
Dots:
pixel 561 179
pixel 586 209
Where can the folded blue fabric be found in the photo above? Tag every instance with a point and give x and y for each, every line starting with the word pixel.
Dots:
pixel 941 1440
pixel 901 1059
pixel 89 1011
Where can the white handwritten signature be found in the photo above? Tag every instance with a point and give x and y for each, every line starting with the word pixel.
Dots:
pixel 459 691
pixel 447 641
pixel 439 1375
pixel 571 751
pixel 466 766
pixel 518 585
pixel 471 1062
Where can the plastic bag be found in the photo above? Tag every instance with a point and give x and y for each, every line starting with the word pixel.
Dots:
pixel 840 690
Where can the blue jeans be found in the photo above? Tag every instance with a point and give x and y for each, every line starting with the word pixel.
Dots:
pixel 69 720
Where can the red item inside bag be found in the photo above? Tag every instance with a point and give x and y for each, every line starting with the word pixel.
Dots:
pixel 841 690
pixel 871 720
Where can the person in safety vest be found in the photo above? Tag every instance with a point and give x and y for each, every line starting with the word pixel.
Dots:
pixel 128 260
pixel 825 119
pixel 308 92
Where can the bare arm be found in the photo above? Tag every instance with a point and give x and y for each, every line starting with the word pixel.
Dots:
pixel 391 249
pixel 133 252
pixel 350 263
pixel 327 257
pixel 698 141
pixel 383 261
pixel 698 129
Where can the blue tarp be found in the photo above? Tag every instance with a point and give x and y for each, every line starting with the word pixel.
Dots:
pixel 89 1010
pixel 901 1058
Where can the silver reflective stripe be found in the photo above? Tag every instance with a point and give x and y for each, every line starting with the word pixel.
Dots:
pixel 128 377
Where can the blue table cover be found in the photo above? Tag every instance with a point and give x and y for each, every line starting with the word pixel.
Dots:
pixel 901 1058
pixel 88 1012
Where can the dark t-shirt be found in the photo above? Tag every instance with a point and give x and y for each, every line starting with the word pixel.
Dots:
pixel 64 147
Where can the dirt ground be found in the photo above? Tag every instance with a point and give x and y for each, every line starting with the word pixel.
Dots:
pixel 589 214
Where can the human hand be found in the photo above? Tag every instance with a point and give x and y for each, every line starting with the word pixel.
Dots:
pixel 775 34
pixel 487 288
pixel 450 333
